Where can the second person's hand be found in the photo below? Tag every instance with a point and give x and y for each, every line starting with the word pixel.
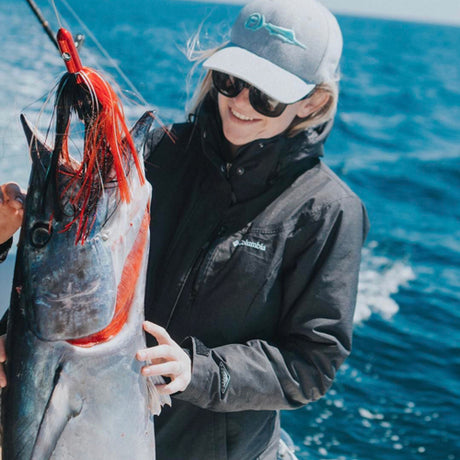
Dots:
pixel 12 200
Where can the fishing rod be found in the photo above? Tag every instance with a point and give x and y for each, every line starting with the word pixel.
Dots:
pixel 44 23
pixel 78 39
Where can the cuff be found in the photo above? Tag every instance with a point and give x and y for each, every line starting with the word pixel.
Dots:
pixel 201 371
pixel 4 323
pixel 4 249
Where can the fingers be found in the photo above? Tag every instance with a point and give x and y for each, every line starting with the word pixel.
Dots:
pixel 167 359
pixel 2 361
pixel 2 376
pixel 12 200
pixel 2 348
pixel 171 388
pixel 172 369
pixel 156 354
pixel 158 332
pixel 12 195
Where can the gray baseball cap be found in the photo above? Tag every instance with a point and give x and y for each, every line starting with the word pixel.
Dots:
pixel 282 47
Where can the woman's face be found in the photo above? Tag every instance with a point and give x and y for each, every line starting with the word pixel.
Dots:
pixel 242 124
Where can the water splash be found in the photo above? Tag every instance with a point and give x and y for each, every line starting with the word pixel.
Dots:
pixel 380 278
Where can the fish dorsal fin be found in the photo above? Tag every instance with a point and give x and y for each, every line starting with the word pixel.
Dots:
pixel 39 150
pixel 62 406
pixel 140 130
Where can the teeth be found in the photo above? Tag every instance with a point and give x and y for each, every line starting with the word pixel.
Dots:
pixel 240 116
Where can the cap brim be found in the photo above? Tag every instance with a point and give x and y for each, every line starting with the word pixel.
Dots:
pixel 264 75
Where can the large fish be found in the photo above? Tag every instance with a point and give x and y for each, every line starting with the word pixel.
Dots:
pixel 75 389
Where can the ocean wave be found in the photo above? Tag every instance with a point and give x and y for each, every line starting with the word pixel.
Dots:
pixel 380 278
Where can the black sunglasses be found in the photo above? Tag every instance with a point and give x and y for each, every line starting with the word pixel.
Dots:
pixel 231 86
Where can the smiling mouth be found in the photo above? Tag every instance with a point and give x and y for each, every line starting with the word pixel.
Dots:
pixel 240 116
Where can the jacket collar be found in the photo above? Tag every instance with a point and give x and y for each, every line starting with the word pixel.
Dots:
pixel 260 163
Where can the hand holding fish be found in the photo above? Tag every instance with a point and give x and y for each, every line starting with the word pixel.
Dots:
pixel 11 209
pixel 167 359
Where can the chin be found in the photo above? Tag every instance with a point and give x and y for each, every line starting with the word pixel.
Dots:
pixel 237 140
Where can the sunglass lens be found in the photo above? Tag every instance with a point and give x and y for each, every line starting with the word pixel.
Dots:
pixel 265 104
pixel 231 86
pixel 226 84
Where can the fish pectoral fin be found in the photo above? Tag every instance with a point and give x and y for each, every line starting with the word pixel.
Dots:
pixel 62 406
pixel 156 400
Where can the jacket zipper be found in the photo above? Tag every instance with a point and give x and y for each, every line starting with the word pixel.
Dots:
pixel 180 291
pixel 204 257
pixel 189 272
pixel 228 166
pixel 199 262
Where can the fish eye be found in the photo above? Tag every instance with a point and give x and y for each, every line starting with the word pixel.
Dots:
pixel 69 209
pixel 40 234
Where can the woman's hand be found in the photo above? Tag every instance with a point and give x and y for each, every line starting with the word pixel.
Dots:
pixel 12 200
pixel 167 359
pixel 2 361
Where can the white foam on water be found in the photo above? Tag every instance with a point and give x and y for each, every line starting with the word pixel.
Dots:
pixel 369 415
pixel 380 278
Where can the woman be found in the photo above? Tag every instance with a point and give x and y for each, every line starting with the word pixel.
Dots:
pixel 255 243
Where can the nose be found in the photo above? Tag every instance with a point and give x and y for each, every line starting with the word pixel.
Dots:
pixel 243 97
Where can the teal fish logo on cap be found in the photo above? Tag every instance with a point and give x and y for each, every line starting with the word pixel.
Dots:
pixel 257 21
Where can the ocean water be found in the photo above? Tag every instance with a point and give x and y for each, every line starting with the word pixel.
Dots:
pixel 396 142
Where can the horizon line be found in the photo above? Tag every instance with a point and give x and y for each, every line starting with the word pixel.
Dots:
pixel 353 12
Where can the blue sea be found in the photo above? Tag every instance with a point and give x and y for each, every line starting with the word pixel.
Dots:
pixel 396 142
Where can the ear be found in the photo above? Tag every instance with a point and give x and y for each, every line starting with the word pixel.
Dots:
pixel 312 104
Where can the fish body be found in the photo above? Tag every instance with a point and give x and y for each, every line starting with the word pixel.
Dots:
pixel 75 322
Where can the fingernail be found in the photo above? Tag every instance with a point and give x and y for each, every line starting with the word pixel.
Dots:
pixel 19 199
pixel 141 356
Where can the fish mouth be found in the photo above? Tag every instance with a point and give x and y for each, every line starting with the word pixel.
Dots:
pixel 73 315
pixel 74 295
pixel 69 290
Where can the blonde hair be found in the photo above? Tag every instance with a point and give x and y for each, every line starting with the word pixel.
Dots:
pixel 325 113
pixel 198 56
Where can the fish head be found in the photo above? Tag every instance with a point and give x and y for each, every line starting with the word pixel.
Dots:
pixel 69 285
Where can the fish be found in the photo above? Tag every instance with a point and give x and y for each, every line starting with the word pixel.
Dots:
pixel 75 388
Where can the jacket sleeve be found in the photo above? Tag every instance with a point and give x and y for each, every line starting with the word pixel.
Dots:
pixel 314 333
pixel 4 249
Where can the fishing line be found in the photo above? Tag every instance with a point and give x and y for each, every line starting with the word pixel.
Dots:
pixel 114 64
pixel 60 19
pixel 105 53
pixel 56 12
pixel 43 22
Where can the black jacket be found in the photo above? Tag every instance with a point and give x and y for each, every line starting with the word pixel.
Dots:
pixel 254 269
